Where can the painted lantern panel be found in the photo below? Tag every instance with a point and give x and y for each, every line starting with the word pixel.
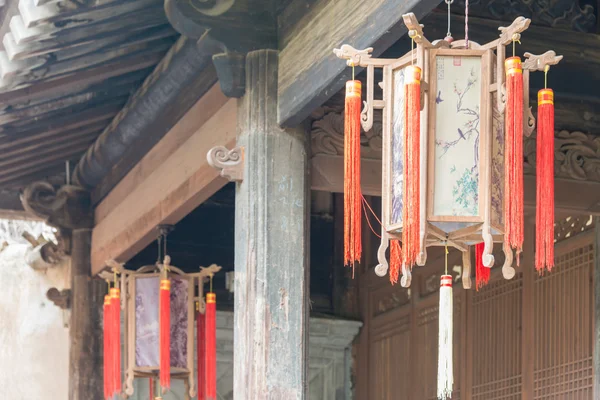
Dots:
pixel 397 146
pixel 146 322
pixel 457 127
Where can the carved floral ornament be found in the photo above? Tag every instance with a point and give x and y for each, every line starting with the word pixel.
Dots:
pixel 576 154
pixel 565 14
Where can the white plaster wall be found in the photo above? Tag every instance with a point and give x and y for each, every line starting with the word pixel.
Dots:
pixel 34 355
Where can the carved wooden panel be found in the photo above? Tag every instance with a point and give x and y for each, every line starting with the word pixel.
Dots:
pixel 496 345
pixel 571 226
pixel 563 325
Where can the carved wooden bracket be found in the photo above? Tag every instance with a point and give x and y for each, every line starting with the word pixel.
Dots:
pixel 230 162
pixel 60 298
pixel 227 29
pixel 68 207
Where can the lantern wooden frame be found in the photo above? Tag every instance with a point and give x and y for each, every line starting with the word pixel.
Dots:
pixel 195 295
pixel 483 227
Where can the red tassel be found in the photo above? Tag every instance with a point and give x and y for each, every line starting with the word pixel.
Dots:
pixel 412 164
pixel 395 261
pixel 107 348
pixel 201 348
pixel 352 192
pixel 513 161
pixel 115 304
pixel 544 251
pixel 482 273
pixel 211 346
pixel 165 333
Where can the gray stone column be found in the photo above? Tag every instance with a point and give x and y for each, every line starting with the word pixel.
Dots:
pixel 271 245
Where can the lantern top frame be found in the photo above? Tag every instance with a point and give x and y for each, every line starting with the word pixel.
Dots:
pixel 420 56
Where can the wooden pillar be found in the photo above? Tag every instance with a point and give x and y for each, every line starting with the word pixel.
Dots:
pixel 596 324
pixel 85 333
pixel 271 246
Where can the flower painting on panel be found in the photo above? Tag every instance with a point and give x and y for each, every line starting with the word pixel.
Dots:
pixel 456 179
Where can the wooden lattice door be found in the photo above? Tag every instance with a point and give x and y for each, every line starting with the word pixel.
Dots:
pixel 527 338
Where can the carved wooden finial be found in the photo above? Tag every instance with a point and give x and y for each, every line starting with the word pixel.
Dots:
pixel 535 62
pixel 352 55
pixel 507 33
pixel 230 162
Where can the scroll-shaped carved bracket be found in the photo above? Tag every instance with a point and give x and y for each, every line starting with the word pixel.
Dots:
pixel 230 162
pixel 352 55
pixel 60 298
pixel 535 62
pixel 466 270
pixel 382 268
pixel 68 207
pixel 507 33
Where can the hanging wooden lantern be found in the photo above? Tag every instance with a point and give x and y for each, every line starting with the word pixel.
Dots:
pixel 458 173
pixel 142 316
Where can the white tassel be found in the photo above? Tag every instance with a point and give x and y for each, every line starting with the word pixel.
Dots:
pixel 445 373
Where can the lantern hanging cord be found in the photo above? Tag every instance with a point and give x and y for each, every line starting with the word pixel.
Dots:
pixel 211 282
pixel 367 215
pixel 412 34
pixel 446 257
pixel 115 276
pixel 546 69
pixel 449 34
pixel 159 241
pixel 516 38
pixel 466 24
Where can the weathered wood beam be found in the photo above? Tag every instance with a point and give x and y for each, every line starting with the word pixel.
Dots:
pixel 309 72
pixel 179 80
pixel 89 76
pixel 271 252
pixel 170 181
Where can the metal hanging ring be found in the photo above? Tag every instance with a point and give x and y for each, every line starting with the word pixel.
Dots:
pixel 449 1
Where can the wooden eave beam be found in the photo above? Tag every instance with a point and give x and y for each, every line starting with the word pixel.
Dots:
pixel 171 180
pixel 309 72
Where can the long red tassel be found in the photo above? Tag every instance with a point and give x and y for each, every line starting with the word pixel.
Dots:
pixel 211 346
pixel 544 251
pixel 395 261
pixel 165 333
pixel 201 349
pixel 412 165
pixel 107 348
pixel 482 273
pixel 115 304
pixel 352 192
pixel 513 150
